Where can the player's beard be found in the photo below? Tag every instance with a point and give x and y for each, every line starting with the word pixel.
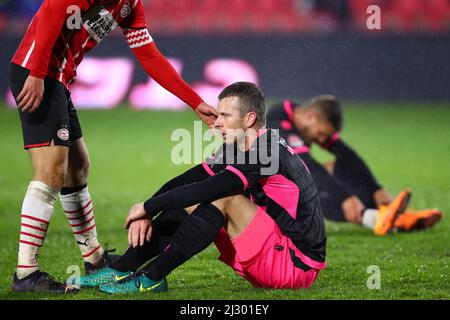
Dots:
pixel 305 134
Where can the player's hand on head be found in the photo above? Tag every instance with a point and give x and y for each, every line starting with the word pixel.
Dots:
pixel 139 232
pixel 31 95
pixel 136 212
pixel 207 114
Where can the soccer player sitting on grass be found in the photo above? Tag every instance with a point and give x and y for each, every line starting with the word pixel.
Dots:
pixel 254 198
pixel 42 69
pixel 348 190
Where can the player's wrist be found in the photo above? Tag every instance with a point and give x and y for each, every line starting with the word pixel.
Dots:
pixel 197 103
pixel 148 208
pixel 37 74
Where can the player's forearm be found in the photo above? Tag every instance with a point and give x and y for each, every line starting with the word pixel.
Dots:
pixel 344 152
pixel 53 15
pixel 213 188
pixel 349 163
pixel 195 174
pixel 157 67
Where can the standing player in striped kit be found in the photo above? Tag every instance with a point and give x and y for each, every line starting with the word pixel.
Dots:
pixel 42 69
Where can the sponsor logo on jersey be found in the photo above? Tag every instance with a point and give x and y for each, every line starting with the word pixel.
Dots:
pixel 63 134
pixel 100 25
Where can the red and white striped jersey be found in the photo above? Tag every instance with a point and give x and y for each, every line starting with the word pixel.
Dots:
pixel 59 57
pixel 54 45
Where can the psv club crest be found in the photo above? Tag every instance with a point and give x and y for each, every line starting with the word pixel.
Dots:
pixel 126 10
pixel 63 134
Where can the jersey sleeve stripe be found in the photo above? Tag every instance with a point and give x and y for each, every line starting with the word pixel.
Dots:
pixel 207 169
pixel 335 137
pixel 302 149
pixel 137 38
pixel 27 57
pixel 288 109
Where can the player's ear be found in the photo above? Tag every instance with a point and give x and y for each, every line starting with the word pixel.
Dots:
pixel 251 119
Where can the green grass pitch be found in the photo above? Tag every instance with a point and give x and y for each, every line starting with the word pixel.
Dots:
pixel 405 145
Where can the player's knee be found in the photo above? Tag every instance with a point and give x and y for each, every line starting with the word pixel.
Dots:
pixel 57 177
pixel 53 176
pixel 231 205
pixel 84 168
pixel 81 170
pixel 191 209
pixel 227 204
pixel 352 208
pixel 221 204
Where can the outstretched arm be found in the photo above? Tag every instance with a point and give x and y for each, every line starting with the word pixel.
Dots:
pixel 157 67
pixel 350 167
pixel 195 174
pixel 218 186
pixel 213 188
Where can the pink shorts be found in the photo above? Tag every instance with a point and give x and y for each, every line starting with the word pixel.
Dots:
pixel 261 255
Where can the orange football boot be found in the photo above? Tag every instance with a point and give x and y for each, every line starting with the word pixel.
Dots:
pixel 418 220
pixel 388 214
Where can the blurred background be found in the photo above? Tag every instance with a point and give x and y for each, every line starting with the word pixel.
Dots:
pixel 266 16
pixel 292 48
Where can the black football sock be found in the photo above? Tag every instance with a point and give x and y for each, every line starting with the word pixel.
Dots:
pixel 195 234
pixel 164 226
pixel 69 190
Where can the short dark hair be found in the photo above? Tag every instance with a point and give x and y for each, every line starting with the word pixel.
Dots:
pixel 330 108
pixel 251 98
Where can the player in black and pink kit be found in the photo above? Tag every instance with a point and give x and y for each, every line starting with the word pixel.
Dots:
pixel 254 198
pixel 348 189
pixel 42 70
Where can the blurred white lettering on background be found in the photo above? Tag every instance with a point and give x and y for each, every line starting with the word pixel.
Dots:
pixel 374 20
pixel 105 83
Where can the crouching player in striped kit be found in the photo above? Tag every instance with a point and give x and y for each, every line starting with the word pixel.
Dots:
pixel 42 69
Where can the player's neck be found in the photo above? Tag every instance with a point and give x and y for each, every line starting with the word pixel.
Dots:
pixel 250 137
